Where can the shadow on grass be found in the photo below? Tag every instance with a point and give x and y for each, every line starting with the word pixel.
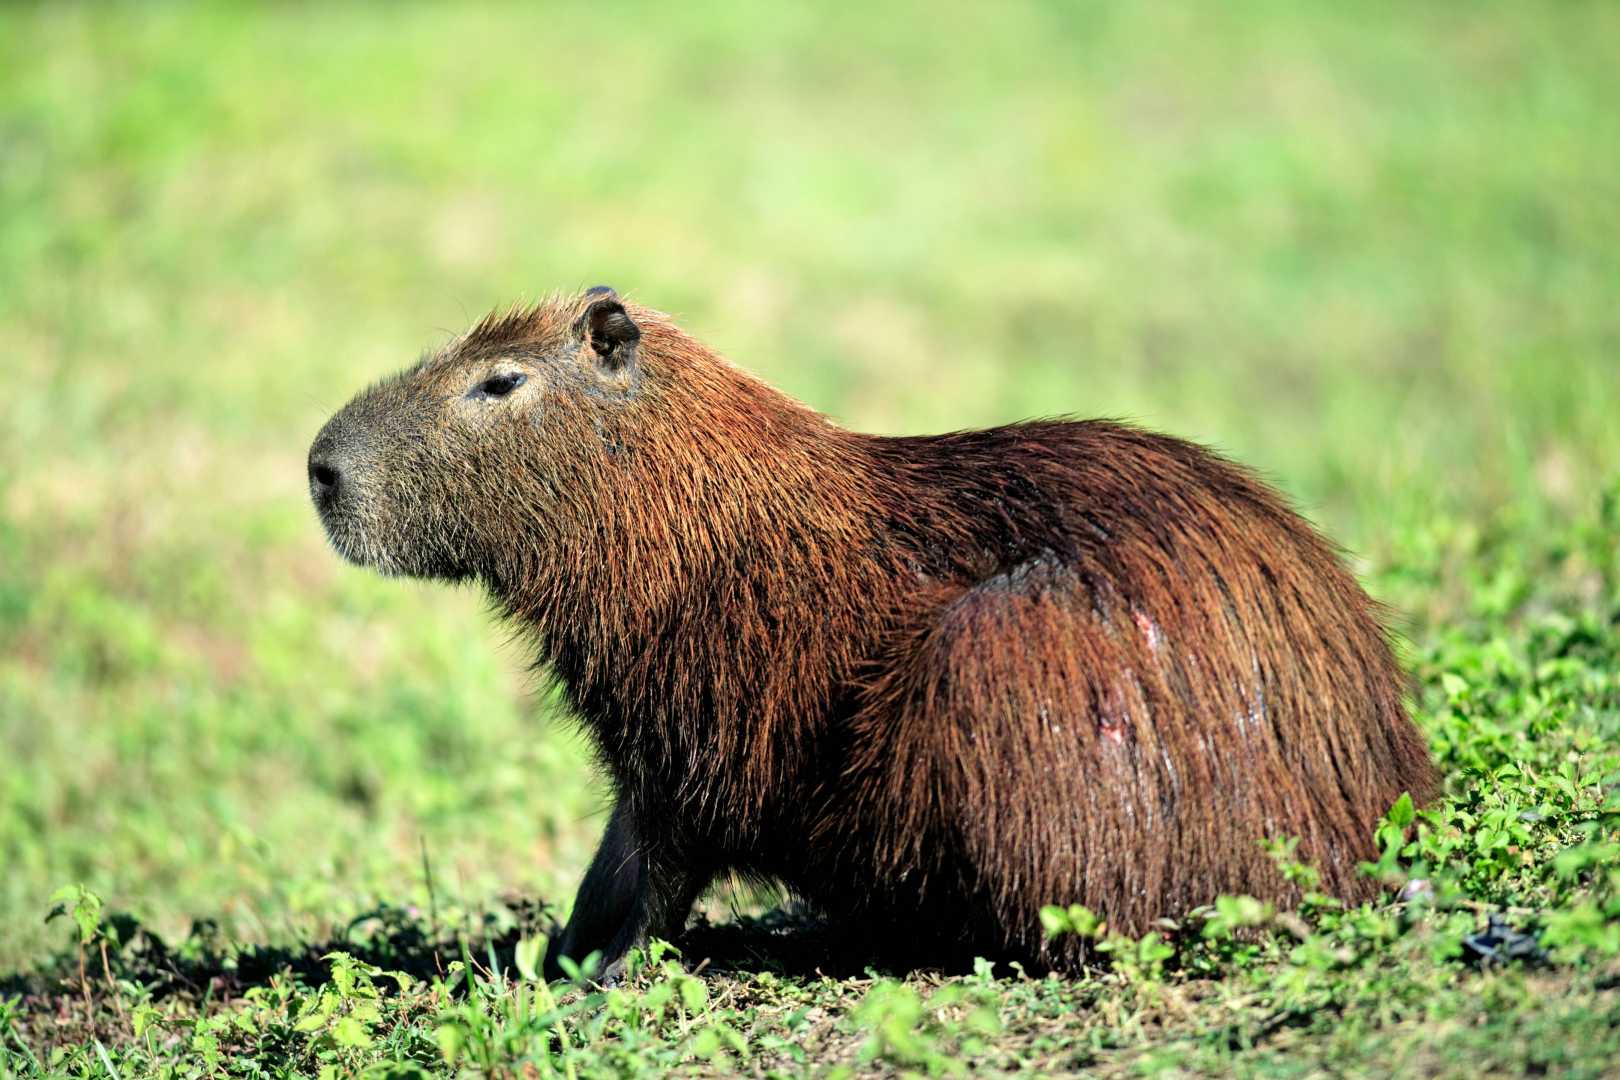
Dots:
pixel 74 997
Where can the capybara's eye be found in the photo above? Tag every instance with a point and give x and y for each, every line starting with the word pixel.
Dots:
pixel 501 385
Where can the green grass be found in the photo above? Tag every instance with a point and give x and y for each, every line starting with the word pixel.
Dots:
pixel 1366 248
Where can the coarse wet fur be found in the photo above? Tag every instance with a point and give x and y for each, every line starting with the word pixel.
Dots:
pixel 928 684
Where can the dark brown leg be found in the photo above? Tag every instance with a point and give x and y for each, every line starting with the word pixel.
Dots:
pixel 633 892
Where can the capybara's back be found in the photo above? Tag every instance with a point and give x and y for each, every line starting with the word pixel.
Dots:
pixel 929 684
pixel 1132 664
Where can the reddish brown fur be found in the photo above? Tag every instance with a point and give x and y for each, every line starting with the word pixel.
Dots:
pixel 930 684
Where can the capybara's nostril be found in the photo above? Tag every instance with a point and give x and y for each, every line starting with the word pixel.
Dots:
pixel 324 477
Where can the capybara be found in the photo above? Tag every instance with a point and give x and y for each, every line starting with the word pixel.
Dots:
pixel 927 684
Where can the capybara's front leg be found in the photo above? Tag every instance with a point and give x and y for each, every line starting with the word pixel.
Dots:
pixel 633 892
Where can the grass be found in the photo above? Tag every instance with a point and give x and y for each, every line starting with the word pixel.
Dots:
pixel 1364 249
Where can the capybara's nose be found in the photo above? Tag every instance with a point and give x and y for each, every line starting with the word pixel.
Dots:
pixel 324 478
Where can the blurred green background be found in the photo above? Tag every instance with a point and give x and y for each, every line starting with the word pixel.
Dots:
pixel 1370 249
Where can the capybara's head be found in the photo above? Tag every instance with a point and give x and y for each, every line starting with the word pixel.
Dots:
pixel 458 464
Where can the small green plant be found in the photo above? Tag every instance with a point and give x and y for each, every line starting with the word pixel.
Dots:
pixel 1076 919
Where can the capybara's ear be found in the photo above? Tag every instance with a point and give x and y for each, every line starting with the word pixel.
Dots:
pixel 607 329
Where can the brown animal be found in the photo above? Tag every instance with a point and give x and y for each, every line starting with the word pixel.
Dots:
pixel 929 684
